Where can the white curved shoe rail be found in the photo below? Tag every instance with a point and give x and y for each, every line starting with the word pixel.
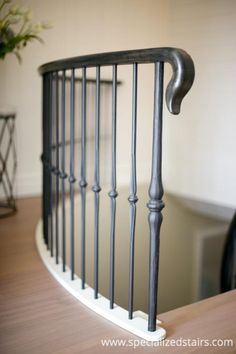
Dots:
pixel 119 316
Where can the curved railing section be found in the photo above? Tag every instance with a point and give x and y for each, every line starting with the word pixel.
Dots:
pixel 55 76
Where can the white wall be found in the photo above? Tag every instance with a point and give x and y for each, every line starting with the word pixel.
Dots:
pixel 199 147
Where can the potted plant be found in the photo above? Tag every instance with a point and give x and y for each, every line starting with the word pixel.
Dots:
pixel 16 29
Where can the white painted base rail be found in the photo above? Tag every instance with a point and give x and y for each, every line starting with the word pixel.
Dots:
pixel 119 316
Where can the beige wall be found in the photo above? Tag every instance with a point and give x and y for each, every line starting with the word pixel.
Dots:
pixel 199 147
pixel 79 27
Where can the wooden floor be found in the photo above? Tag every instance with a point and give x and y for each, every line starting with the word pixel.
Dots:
pixel 38 316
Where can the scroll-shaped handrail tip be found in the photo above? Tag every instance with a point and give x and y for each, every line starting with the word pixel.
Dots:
pixel 181 80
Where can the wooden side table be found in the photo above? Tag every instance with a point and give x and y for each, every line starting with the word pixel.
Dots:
pixel 8 163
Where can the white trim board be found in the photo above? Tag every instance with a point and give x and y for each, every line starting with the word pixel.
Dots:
pixel 119 316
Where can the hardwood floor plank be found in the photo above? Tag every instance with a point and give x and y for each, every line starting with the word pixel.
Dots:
pixel 38 316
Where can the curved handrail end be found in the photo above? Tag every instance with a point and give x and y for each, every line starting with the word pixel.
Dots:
pixel 182 78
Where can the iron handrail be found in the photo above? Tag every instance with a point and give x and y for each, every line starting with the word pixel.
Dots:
pixel 181 62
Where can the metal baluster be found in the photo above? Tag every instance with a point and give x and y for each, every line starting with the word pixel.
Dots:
pixel 46 113
pixel 57 166
pixel 155 204
pixel 51 167
pixel 72 177
pixel 133 190
pixel 63 173
pixel 83 182
pixel 44 159
pixel 113 193
pixel 96 187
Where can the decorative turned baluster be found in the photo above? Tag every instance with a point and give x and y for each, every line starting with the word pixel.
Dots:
pixel 96 187
pixel 57 172
pixel 113 193
pixel 63 174
pixel 155 204
pixel 72 178
pixel 51 165
pixel 46 158
pixel 133 191
pixel 83 182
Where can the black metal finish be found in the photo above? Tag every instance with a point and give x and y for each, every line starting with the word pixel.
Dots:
pixel 96 186
pixel 113 193
pixel 83 182
pixel 133 191
pixel 51 129
pixel 72 176
pixel 57 168
pixel 43 158
pixel 155 204
pixel 46 159
pixel 54 157
pixel 63 174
